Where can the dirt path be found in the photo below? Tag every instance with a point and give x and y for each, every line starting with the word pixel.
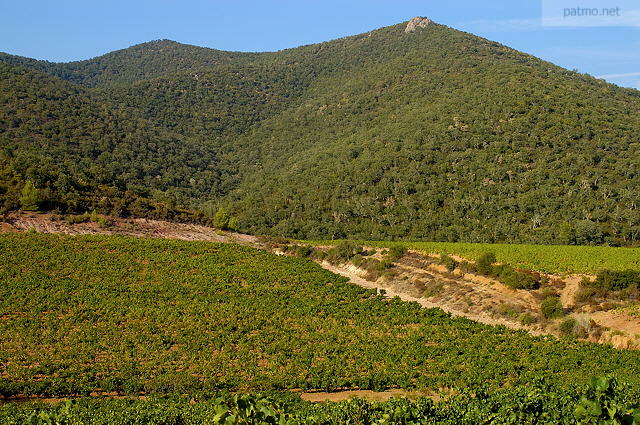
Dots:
pixel 618 321
pixel 568 294
pixel 322 397
pixel 137 227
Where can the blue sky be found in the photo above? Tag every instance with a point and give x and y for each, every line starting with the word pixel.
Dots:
pixel 68 30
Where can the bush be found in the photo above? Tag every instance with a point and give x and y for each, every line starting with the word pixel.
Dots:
pixel 527 318
pixel 616 280
pixel 221 219
pixel 396 253
pixel 77 219
pixel 302 250
pixel 584 327
pixel 515 279
pixel 588 294
pixel 567 326
pixel 485 263
pixel 343 251
pixel 433 289
pixel 384 265
pixel 551 307
pixel 448 262
pixel 375 268
pixel 508 310
pixel 104 222
pixel 319 255
pixel 357 260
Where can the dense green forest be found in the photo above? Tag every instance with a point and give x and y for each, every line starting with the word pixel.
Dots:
pixel 431 135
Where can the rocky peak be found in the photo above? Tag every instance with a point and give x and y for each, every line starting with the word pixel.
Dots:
pixel 417 22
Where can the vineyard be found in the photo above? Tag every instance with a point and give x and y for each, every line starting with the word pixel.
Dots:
pixel 603 401
pixel 118 315
pixel 542 258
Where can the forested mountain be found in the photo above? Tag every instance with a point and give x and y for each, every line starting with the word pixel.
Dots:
pixel 430 134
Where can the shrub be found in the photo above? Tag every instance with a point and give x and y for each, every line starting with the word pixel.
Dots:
pixel 584 326
pixel 396 253
pixel 376 268
pixel 551 307
pixel 384 265
pixel 357 260
pixel 527 318
pixel 274 241
pixel 485 263
pixel 567 326
pixel 77 219
pixel 302 250
pixel 508 310
pixel 104 222
pixel 467 267
pixel 515 279
pixel 616 280
pixel 433 289
pixel 448 262
pixel 319 255
pixel 343 252
pixel 588 294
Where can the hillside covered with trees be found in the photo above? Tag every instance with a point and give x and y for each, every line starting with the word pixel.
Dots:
pixel 433 134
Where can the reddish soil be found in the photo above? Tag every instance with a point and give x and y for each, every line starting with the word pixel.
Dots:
pixel 322 397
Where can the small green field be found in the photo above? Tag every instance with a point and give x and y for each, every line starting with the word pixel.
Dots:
pixel 542 258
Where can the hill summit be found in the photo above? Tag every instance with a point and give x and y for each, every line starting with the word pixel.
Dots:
pixel 417 22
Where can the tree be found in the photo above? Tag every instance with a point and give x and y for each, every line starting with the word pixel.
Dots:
pixel 567 235
pixel 29 197
pixel 551 307
pixel 221 219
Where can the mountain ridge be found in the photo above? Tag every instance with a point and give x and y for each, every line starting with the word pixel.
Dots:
pixel 87 72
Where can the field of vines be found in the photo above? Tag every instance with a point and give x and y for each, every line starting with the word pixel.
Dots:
pixel 542 258
pixel 604 401
pixel 113 314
